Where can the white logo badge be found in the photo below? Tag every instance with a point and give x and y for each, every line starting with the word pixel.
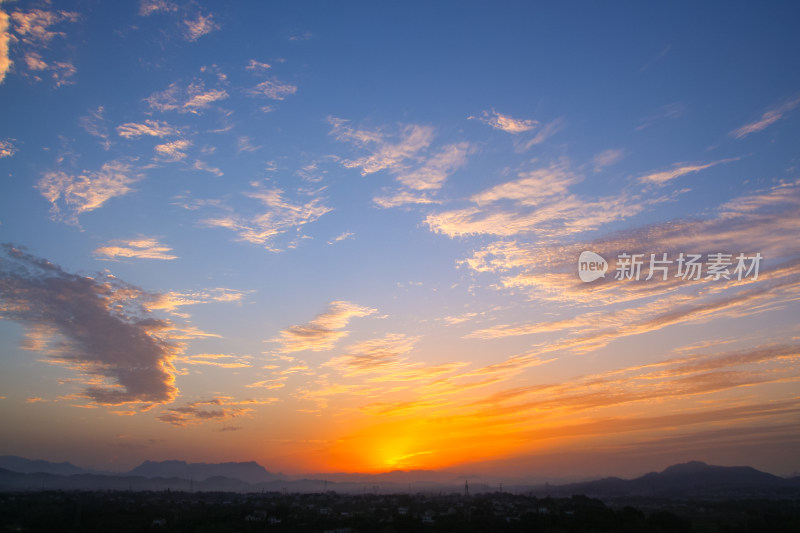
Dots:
pixel 591 266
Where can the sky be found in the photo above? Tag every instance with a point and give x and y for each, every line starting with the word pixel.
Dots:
pixel 348 237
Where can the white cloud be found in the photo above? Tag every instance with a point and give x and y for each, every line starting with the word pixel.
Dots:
pixel 272 89
pixel 173 151
pixel 678 170
pixel 139 248
pixel 154 128
pixel 202 25
pixel 324 331
pixel 71 195
pixel 190 100
pixel 5 61
pixel 281 216
pixel 767 119
pixel 607 158
pixel 505 122
pixel 7 148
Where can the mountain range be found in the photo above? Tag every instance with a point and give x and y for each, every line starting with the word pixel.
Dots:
pixel 692 479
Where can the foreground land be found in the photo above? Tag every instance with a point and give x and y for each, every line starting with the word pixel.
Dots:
pixel 120 511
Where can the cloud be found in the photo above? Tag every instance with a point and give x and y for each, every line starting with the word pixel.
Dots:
pixel 376 355
pixel 94 124
pixel 505 122
pixel 658 57
pixel 435 170
pixel 33 27
pixel 344 236
pixel 324 331
pixel 72 195
pixel 244 144
pixel 202 25
pixel 154 128
pixel 678 170
pixel 193 99
pixel 139 248
pixel 767 119
pixel 281 216
pixel 666 112
pixel 7 148
pixel 31 34
pixel 274 90
pixel 95 326
pixel 257 66
pixel 5 61
pixel 172 301
pixel 201 165
pixel 538 202
pixel 214 359
pixel 607 158
pixel 148 7
pixel 173 151
pixel 383 153
pixel 214 410
pixel 399 198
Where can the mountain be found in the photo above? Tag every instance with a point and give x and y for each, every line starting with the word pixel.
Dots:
pixel 29 466
pixel 693 480
pixel 249 472
pixel 689 479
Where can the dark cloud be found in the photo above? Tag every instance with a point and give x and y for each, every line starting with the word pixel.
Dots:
pixel 97 326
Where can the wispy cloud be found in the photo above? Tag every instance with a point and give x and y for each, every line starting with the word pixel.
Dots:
pixel 32 34
pixel 202 165
pixel 5 61
pixel 7 148
pixel 406 155
pixel 272 89
pixel 95 326
pixel 436 169
pixel 148 7
pixel 383 150
pixel 505 122
pixel 607 158
pixel 214 359
pixel 678 170
pixel 199 26
pixel 344 236
pixel 173 151
pixel 72 195
pixel 767 119
pixel 376 355
pixel 172 301
pixel 258 66
pixel 194 98
pixel 139 248
pixel 154 128
pixel 324 331
pixel 216 409
pixel 666 112
pixel 281 216
pixel 538 202
pixel 94 124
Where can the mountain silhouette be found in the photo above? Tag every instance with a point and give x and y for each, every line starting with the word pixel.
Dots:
pixel 249 472
pixel 30 466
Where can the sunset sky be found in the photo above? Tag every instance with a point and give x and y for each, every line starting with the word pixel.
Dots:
pixel 344 236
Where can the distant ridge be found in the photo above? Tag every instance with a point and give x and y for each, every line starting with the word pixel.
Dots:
pixel 688 479
pixel 31 466
pixel 249 472
pixel 693 479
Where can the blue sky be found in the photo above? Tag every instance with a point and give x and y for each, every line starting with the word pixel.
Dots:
pixel 345 236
